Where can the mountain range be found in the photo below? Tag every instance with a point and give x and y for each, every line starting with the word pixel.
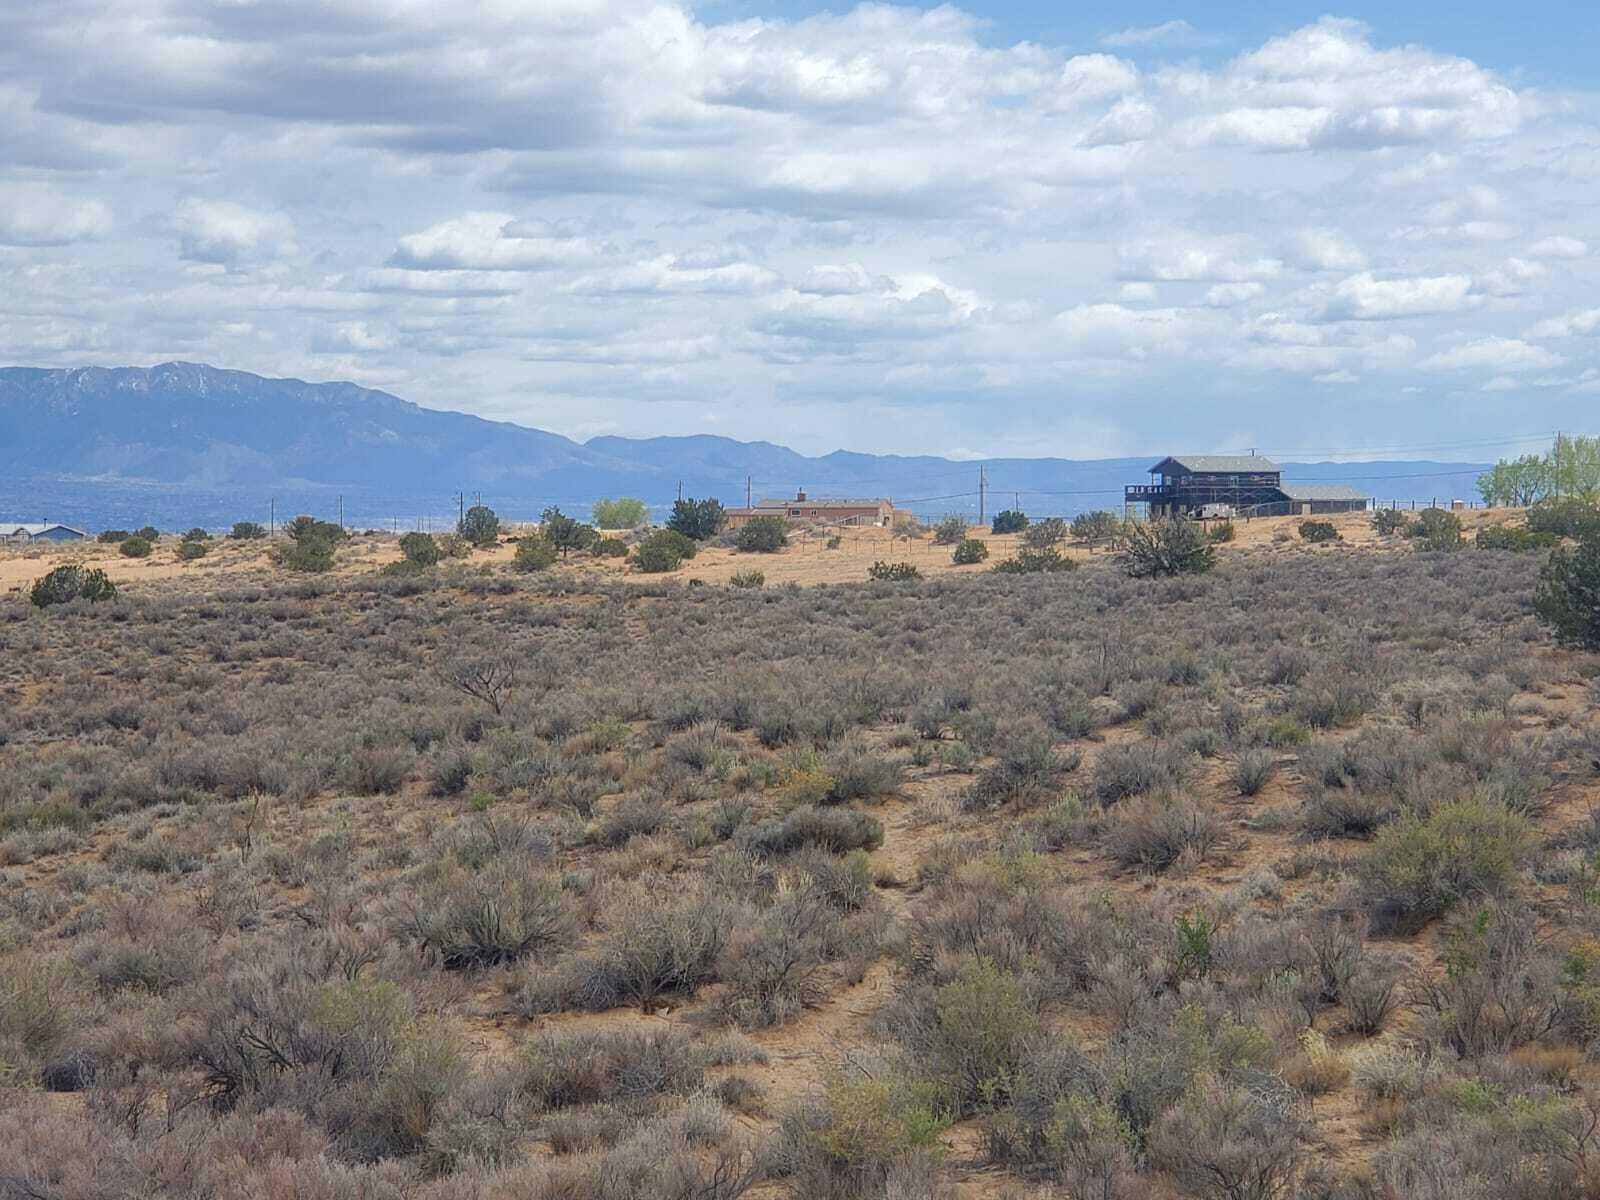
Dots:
pixel 99 445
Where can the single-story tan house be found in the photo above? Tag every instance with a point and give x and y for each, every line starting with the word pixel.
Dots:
pixel 822 510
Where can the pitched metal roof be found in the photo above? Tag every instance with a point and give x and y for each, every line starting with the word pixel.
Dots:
pixel 1320 491
pixel 35 528
pixel 1232 464
pixel 824 502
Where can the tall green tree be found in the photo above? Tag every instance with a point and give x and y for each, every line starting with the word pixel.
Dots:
pixel 697 519
pixel 565 533
pixel 624 512
pixel 1574 464
pixel 480 525
pixel 1517 482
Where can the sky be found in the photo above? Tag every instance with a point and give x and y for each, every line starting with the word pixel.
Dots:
pixel 1015 228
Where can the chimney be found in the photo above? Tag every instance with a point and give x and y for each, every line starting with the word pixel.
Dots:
pixel 800 497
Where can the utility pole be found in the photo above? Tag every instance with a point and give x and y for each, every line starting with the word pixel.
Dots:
pixel 680 489
pixel 272 518
pixel 341 511
pixel 983 483
pixel 1555 453
pixel 461 511
pixel 747 491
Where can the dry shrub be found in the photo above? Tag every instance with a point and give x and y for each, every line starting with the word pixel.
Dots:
pixel 1153 833
pixel 568 1070
pixel 1254 771
pixel 1137 769
pixel 1230 1143
pixel 509 909
pixel 1316 1068
pixel 833 829
pixel 650 946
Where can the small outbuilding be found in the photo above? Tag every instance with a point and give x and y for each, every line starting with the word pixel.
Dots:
pixel 14 533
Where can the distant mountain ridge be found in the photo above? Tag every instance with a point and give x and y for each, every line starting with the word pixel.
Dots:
pixel 186 433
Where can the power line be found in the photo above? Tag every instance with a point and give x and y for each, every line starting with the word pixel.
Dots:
pixel 1413 447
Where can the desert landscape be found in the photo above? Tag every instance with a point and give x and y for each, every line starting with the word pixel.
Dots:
pixel 1276 880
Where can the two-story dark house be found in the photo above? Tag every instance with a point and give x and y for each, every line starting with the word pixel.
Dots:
pixel 1202 485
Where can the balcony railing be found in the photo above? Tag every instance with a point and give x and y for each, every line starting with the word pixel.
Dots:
pixel 1147 491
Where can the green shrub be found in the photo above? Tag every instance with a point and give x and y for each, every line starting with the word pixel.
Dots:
pixel 1388 521
pixel 747 579
pixel 869 1126
pixel 625 512
pixel 971 551
pixel 1042 535
pixel 136 547
pixel 307 527
pixel 1508 537
pixel 421 549
pixel 1166 547
pixel 660 552
pixel 901 572
pixel 1318 531
pixel 453 545
pixel 1419 866
pixel 188 550
pixel 986 1017
pixel 697 520
pixel 1568 596
pixel 1033 562
pixel 1097 526
pixel 610 548
pixel 72 583
pixel 763 535
pixel 247 531
pixel 951 529
pixel 111 537
pixel 148 532
pixel 1436 529
pixel 308 554
pixel 1009 521
pixel 534 553
pixel 1221 532
pixel 197 535
pixel 1565 517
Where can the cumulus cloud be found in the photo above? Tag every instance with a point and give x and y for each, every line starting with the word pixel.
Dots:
pixel 1109 330
pixel 33 215
pixel 1327 86
pixel 489 241
pixel 1577 323
pixel 1178 34
pixel 1226 295
pixel 1324 250
pixel 1365 297
pixel 1195 259
pixel 1559 246
pixel 220 231
pixel 671 273
pixel 1493 354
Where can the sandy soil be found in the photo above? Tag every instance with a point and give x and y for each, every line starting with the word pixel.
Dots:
pixel 806 561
